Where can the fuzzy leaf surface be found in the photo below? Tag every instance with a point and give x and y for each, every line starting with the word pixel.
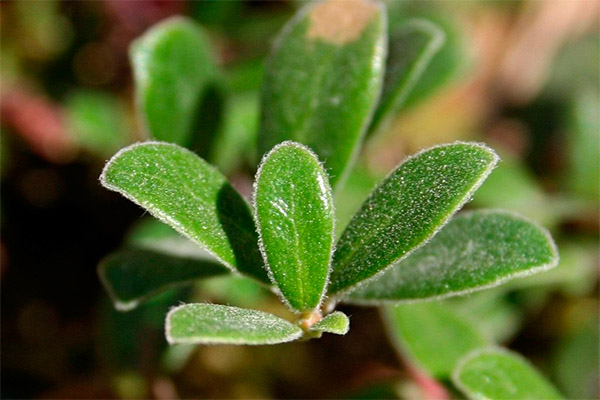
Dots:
pixel 336 323
pixel 132 276
pixel 173 66
pixel 191 196
pixel 407 209
pixel 500 374
pixel 476 250
pixel 410 49
pixel 295 220
pixel 432 335
pixel 323 80
pixel 217 324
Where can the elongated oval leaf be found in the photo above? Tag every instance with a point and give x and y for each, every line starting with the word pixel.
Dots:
pixel 172 67
pixel 411 48
pixel 432 335
pixel 191 196
pixel 336 323
pixel 500 374
pixel 323 80
pixel 217 324
pixel 295 220
pixel 475 250
pixel 407 209
pixel 132 276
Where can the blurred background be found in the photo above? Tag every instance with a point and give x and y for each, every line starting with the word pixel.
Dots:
pixel 522 76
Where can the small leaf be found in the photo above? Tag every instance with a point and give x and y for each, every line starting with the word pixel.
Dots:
pixel 433 335
pixel 475 250
pixel 500 374
pixel 191 196
pixel 172 67
pixel 217 324
pixel 132 276
pixel 323 80
pixel 407 209
pixel 336 323
pixel 411 48
pixel 295 220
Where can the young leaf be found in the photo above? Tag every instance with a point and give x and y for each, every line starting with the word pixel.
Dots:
pixel 408 208
pixel 323 80
pixel 411 48
pixel 500 374
pixel 132 276
pixel 336 323
pixel 433 335
pixel 217 324
pixel 475 250
pixel 185 192
pixel 295 220
pixel 172 67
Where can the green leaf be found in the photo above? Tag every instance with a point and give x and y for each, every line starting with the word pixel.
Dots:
pixel 411 48
pixel 295 220
pixel 432 335
pixel 476 250
pixel 407 209
pixel 173 67
pixel 323 80
pixel 336 323
pixel 191 196
pixel 500 374
pixel 217 324
pixel 132 276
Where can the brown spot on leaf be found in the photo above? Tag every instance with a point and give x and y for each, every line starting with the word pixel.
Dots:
pixel 340 21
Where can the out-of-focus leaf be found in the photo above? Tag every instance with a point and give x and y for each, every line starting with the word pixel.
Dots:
pixel 411 48
pixel 173 67
pixel 132 276
pixel 476 250
pixel 295 220
pixel 408 208
pixel 323 80
pixel 499 374
pixel 432 335
pixel 336 323
pixel 184 191
pixel 217 324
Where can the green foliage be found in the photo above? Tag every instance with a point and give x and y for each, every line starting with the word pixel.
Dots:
pixel 500 374
pixel 295 220
pixel 337 323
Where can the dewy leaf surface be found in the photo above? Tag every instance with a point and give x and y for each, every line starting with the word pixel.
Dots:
pixel 500 374
pixel 173 67
pixel 295 220
pixel 475 250
pixel 132 276
pixel 432 335
pixel 407 208
pixel 185 192
pixel 217 324
pixel 410 49
pixel 323 80
pixel 336 323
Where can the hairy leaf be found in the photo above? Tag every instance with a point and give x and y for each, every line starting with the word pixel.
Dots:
pixel 476 250
pixel 411 48
pixel 407 208
pixel 132 276
pixel 295 220
pixel 172 67
pixel 217 324
pixel 323 80
pixel 432 335
pixel 500 374
pixel 185 192
pixel 336 323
